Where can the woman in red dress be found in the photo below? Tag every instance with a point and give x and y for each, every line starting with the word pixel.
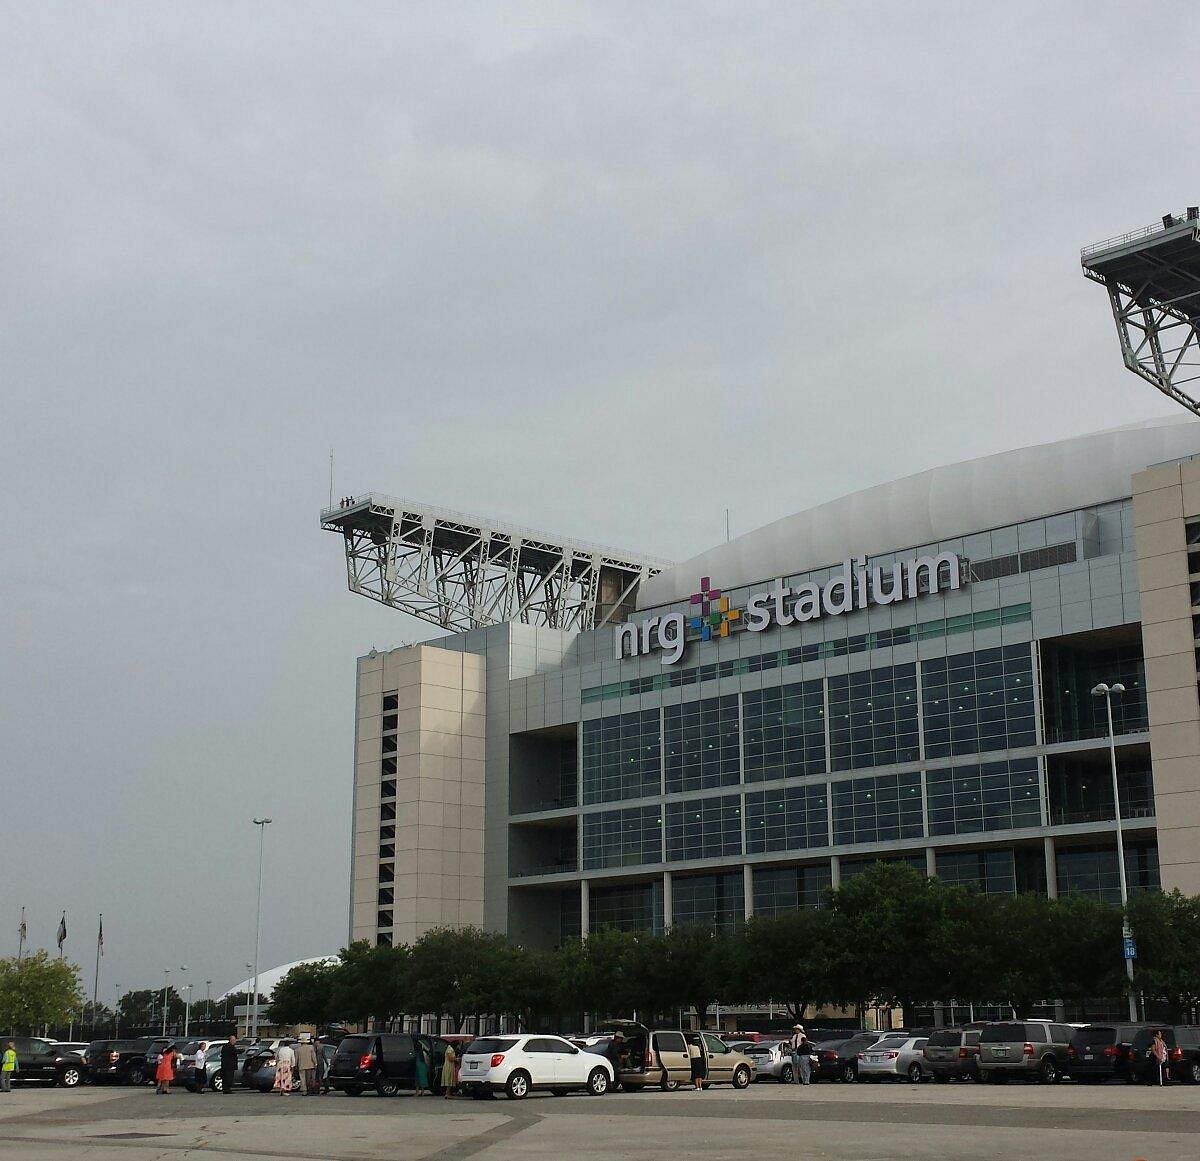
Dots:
pixel 165 1073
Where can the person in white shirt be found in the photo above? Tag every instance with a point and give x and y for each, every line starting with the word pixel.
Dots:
pixel 201 1073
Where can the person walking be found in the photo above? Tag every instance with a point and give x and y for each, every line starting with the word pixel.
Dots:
pixel 306 1065
pixel 449 1072
pixel 165 1072
pixel 201 1067
pixel 1158 1049
pixel 8 1066
pixel 285 1064
pixel 321 1070
pixel 229 1057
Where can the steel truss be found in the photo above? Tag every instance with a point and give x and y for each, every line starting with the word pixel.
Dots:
pixel 461 572
pixel 1153 282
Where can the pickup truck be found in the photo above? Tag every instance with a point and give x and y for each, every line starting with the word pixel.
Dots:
pixel 117 1061
pixel 43 1060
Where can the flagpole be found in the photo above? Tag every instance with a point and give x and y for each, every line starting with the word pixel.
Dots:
pixel 96 978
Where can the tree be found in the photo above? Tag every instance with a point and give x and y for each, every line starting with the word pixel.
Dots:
pixel 304 995
pixel 457 971
pixel 1166 926
pixel 143 1008
pixel 370 982
pixel 790 959
pixel 689 965
pixel 38 991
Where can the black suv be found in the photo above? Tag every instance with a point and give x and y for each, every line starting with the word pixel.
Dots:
pixel 1183 1054
pixel 1100 1052
pixel 117 1061
pixel 384 1061
pixel 43 1060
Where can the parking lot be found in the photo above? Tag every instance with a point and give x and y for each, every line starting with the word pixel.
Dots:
pixel 852 1122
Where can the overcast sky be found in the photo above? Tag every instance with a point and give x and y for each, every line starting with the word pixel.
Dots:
pixel 603 269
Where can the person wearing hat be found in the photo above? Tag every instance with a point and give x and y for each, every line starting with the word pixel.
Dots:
pixel 615 1052
pixel 801 1055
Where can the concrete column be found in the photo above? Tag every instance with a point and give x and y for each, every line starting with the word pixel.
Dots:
pixel 748 890
pixel 668 900
pixel 835 871
pixel 931 862
pixel 584 909
pixel 1051 867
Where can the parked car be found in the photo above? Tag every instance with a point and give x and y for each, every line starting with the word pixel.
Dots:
pixel 838 1059
pixel 1183 1054
pixel 893 1058
pixel 517 1065
pixel 117 1061
pixel 42 1060
pixel 772 1059
pixel 259 1071
pixel 1100 1052
pixel 656 1058
pixel 384 1061
pixel 1032 1049
pixel 725 1066
pixel 952 1054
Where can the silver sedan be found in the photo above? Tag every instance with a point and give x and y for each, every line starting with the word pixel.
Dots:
pixel 894 1058
pixel 774 1059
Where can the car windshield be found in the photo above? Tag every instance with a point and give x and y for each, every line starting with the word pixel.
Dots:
pixel 1097 1034
pixel 486 1047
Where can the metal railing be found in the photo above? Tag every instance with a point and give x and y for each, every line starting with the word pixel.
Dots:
pixel 1133 235
pixel 561 868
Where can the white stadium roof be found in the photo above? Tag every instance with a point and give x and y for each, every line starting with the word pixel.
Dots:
pixel 269 978
pixel 937 505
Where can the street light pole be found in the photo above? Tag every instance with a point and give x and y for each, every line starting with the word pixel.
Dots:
pixel 187 1008
pixel 1106 692
pixel 262 824
pixel 208 1000
pixel 116 1011
pixel 166 972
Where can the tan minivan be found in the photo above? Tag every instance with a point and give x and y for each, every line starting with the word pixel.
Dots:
pixel 661 1057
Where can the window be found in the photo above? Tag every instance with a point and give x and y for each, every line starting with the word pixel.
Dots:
pixel 387 744
pixel 387 833
pixel 852 867
pixel 994 796
pixel 1081 791
pixel 704 828
pixel 621 757
pixel 390 701
pixel 873 717
pixel 389 722
pixel 701 742
pixel 383 939
pixel 877 809
pixel 387 788
pixel 383 919
pixel 975 702
pixel 992 872
pixel 387 872
pixel 1068 677
pixel 543 1046
pixel 1093 870
pixel 708 900
pixel 789 819
pixel 784 731
pixel 670 1042
pixel 387 850
pixel 778 890
pixel 715 1046
pixel 629 907
pixel 622 838
pixel 387 895
pixel 387 812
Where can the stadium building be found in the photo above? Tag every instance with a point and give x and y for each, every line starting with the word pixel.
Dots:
pixel 904 674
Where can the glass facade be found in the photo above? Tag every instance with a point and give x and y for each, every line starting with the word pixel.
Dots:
pixel 993 872
pixel 702 741
pixel 991 796
pixel 622 757
pixel 622 838
pixel 880 808
pixel 781 889
pixel 627 907
pixel 873 718
pixel 852 867
pixel 784 731
pixel 788 819
pixel 975 702
pixel 710 900
pixel 1093 870
pixel 1069 673
pixel 1080 789
pixel 704 828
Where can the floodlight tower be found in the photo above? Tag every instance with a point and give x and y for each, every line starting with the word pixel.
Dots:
pixel 1153 281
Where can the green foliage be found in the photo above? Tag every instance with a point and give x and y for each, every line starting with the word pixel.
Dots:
pixel 304 995
pixel 369 982
pixel 38 991
pixel 1167 929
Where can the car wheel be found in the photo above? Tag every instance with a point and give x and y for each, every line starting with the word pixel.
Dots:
pixel 785 1074
pixel 741 1077
pixel 1193 1072
pixel 849 1072
pixel 70 1077
pixel 915 1073
pixel 517 1087
pixel 387 1088
pixel 217 1084
pixel 668 1085
pixel 598 1082
pixel 1048 1072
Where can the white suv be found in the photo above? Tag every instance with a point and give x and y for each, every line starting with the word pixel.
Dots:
pixel 518 1064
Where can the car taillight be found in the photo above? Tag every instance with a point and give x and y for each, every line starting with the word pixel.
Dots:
pixel 497 1059
pixel 364 1061
pixel 829 1056
pixel 1176 1053
pixel 891 1055
pixel 1109 1050
pixel 963 1053
pixel 113 1057
pixel 1028 1049
pixel 649 1057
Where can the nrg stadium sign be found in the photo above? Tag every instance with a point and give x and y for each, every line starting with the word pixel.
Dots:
pixel 855 587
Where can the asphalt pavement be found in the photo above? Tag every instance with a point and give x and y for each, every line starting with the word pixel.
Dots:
pixel 842 1122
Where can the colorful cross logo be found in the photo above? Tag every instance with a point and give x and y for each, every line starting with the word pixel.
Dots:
pixel 715 613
